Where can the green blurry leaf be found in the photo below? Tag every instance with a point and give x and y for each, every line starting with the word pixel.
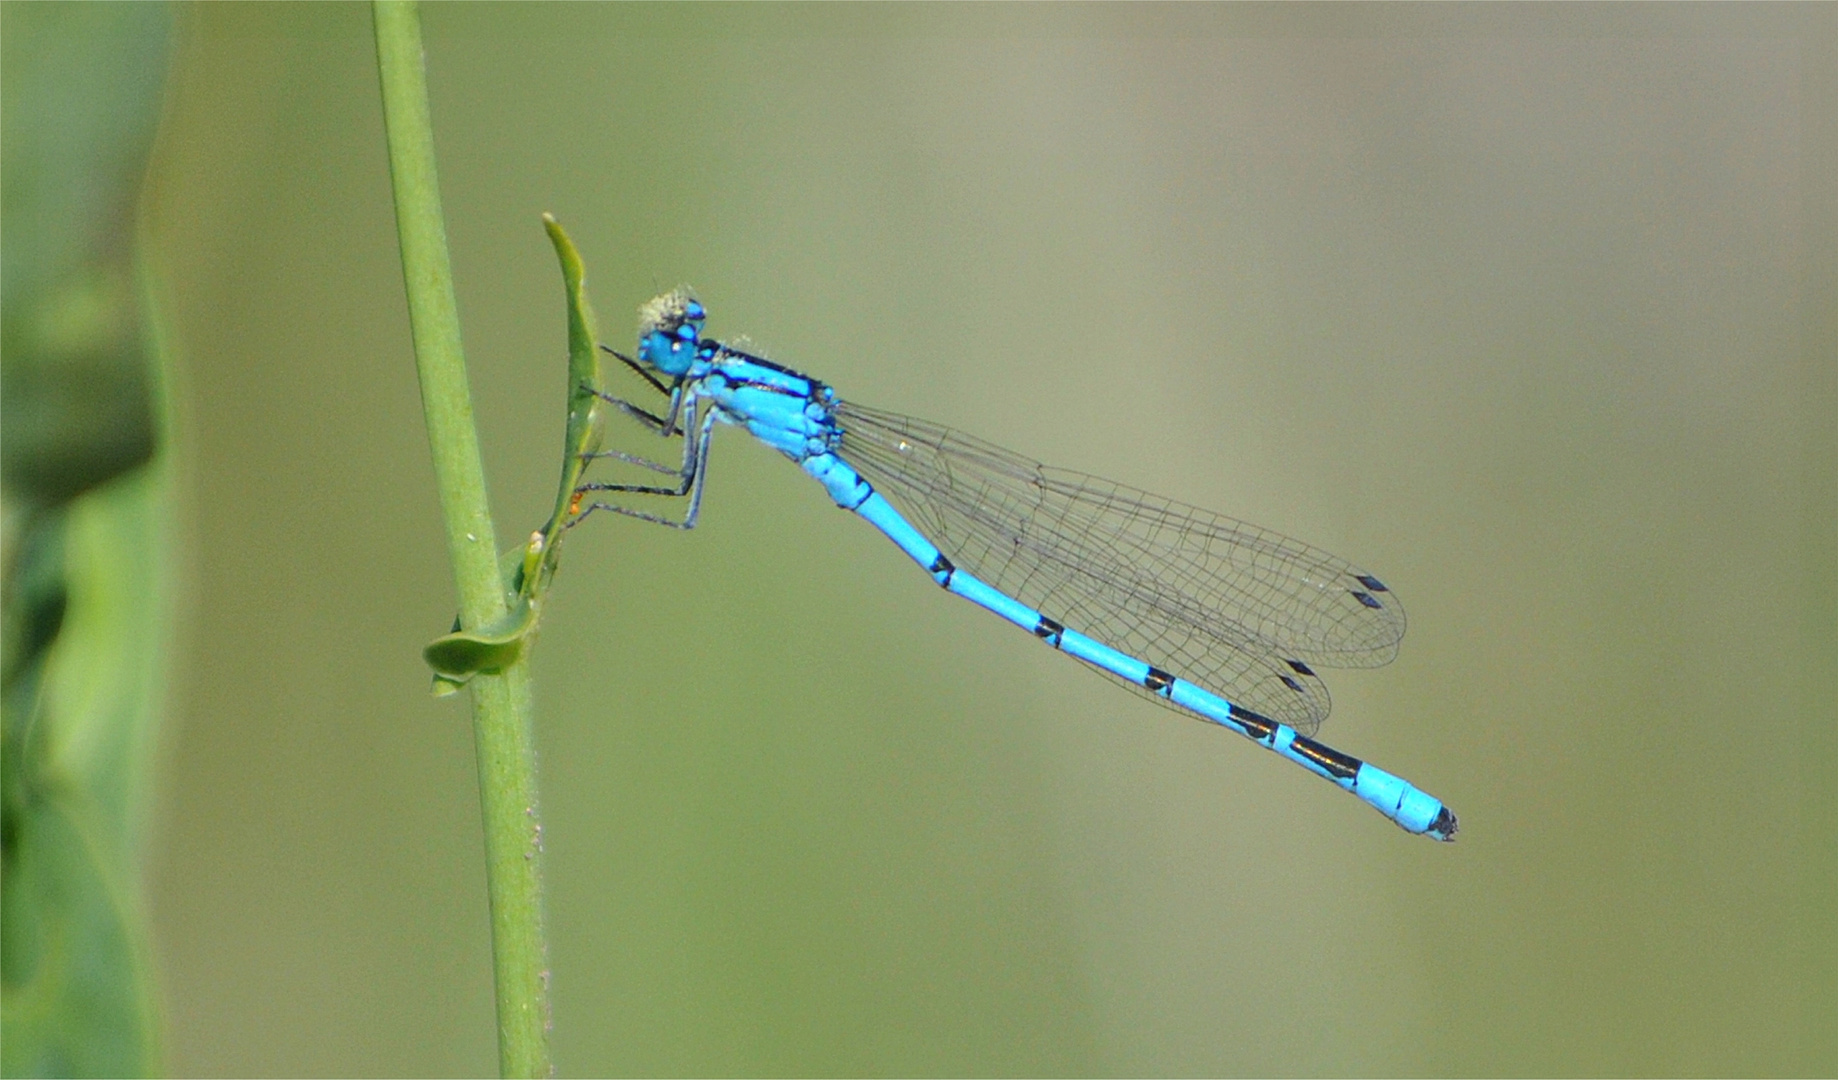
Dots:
pixel 76 994
pixel 79 107
pixel 83 493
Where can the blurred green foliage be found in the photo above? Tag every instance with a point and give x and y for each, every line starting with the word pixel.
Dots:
pixel 85 501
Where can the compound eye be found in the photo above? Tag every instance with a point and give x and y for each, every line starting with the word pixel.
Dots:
pixel 693 310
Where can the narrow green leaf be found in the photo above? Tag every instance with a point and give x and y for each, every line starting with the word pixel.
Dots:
pixel 586 412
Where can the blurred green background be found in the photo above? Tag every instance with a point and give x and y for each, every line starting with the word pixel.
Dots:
pixel 1529 310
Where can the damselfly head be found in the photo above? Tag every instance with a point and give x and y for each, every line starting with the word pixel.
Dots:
pixel 669 331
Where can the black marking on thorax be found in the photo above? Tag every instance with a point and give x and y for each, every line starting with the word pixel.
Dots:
pixel 761 361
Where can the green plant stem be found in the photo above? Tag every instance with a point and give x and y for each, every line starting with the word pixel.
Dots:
pixel 501 701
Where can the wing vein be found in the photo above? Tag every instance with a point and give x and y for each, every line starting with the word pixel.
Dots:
pixel 1240 610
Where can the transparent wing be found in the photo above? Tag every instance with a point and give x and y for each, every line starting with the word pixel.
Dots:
pixel 1242 611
